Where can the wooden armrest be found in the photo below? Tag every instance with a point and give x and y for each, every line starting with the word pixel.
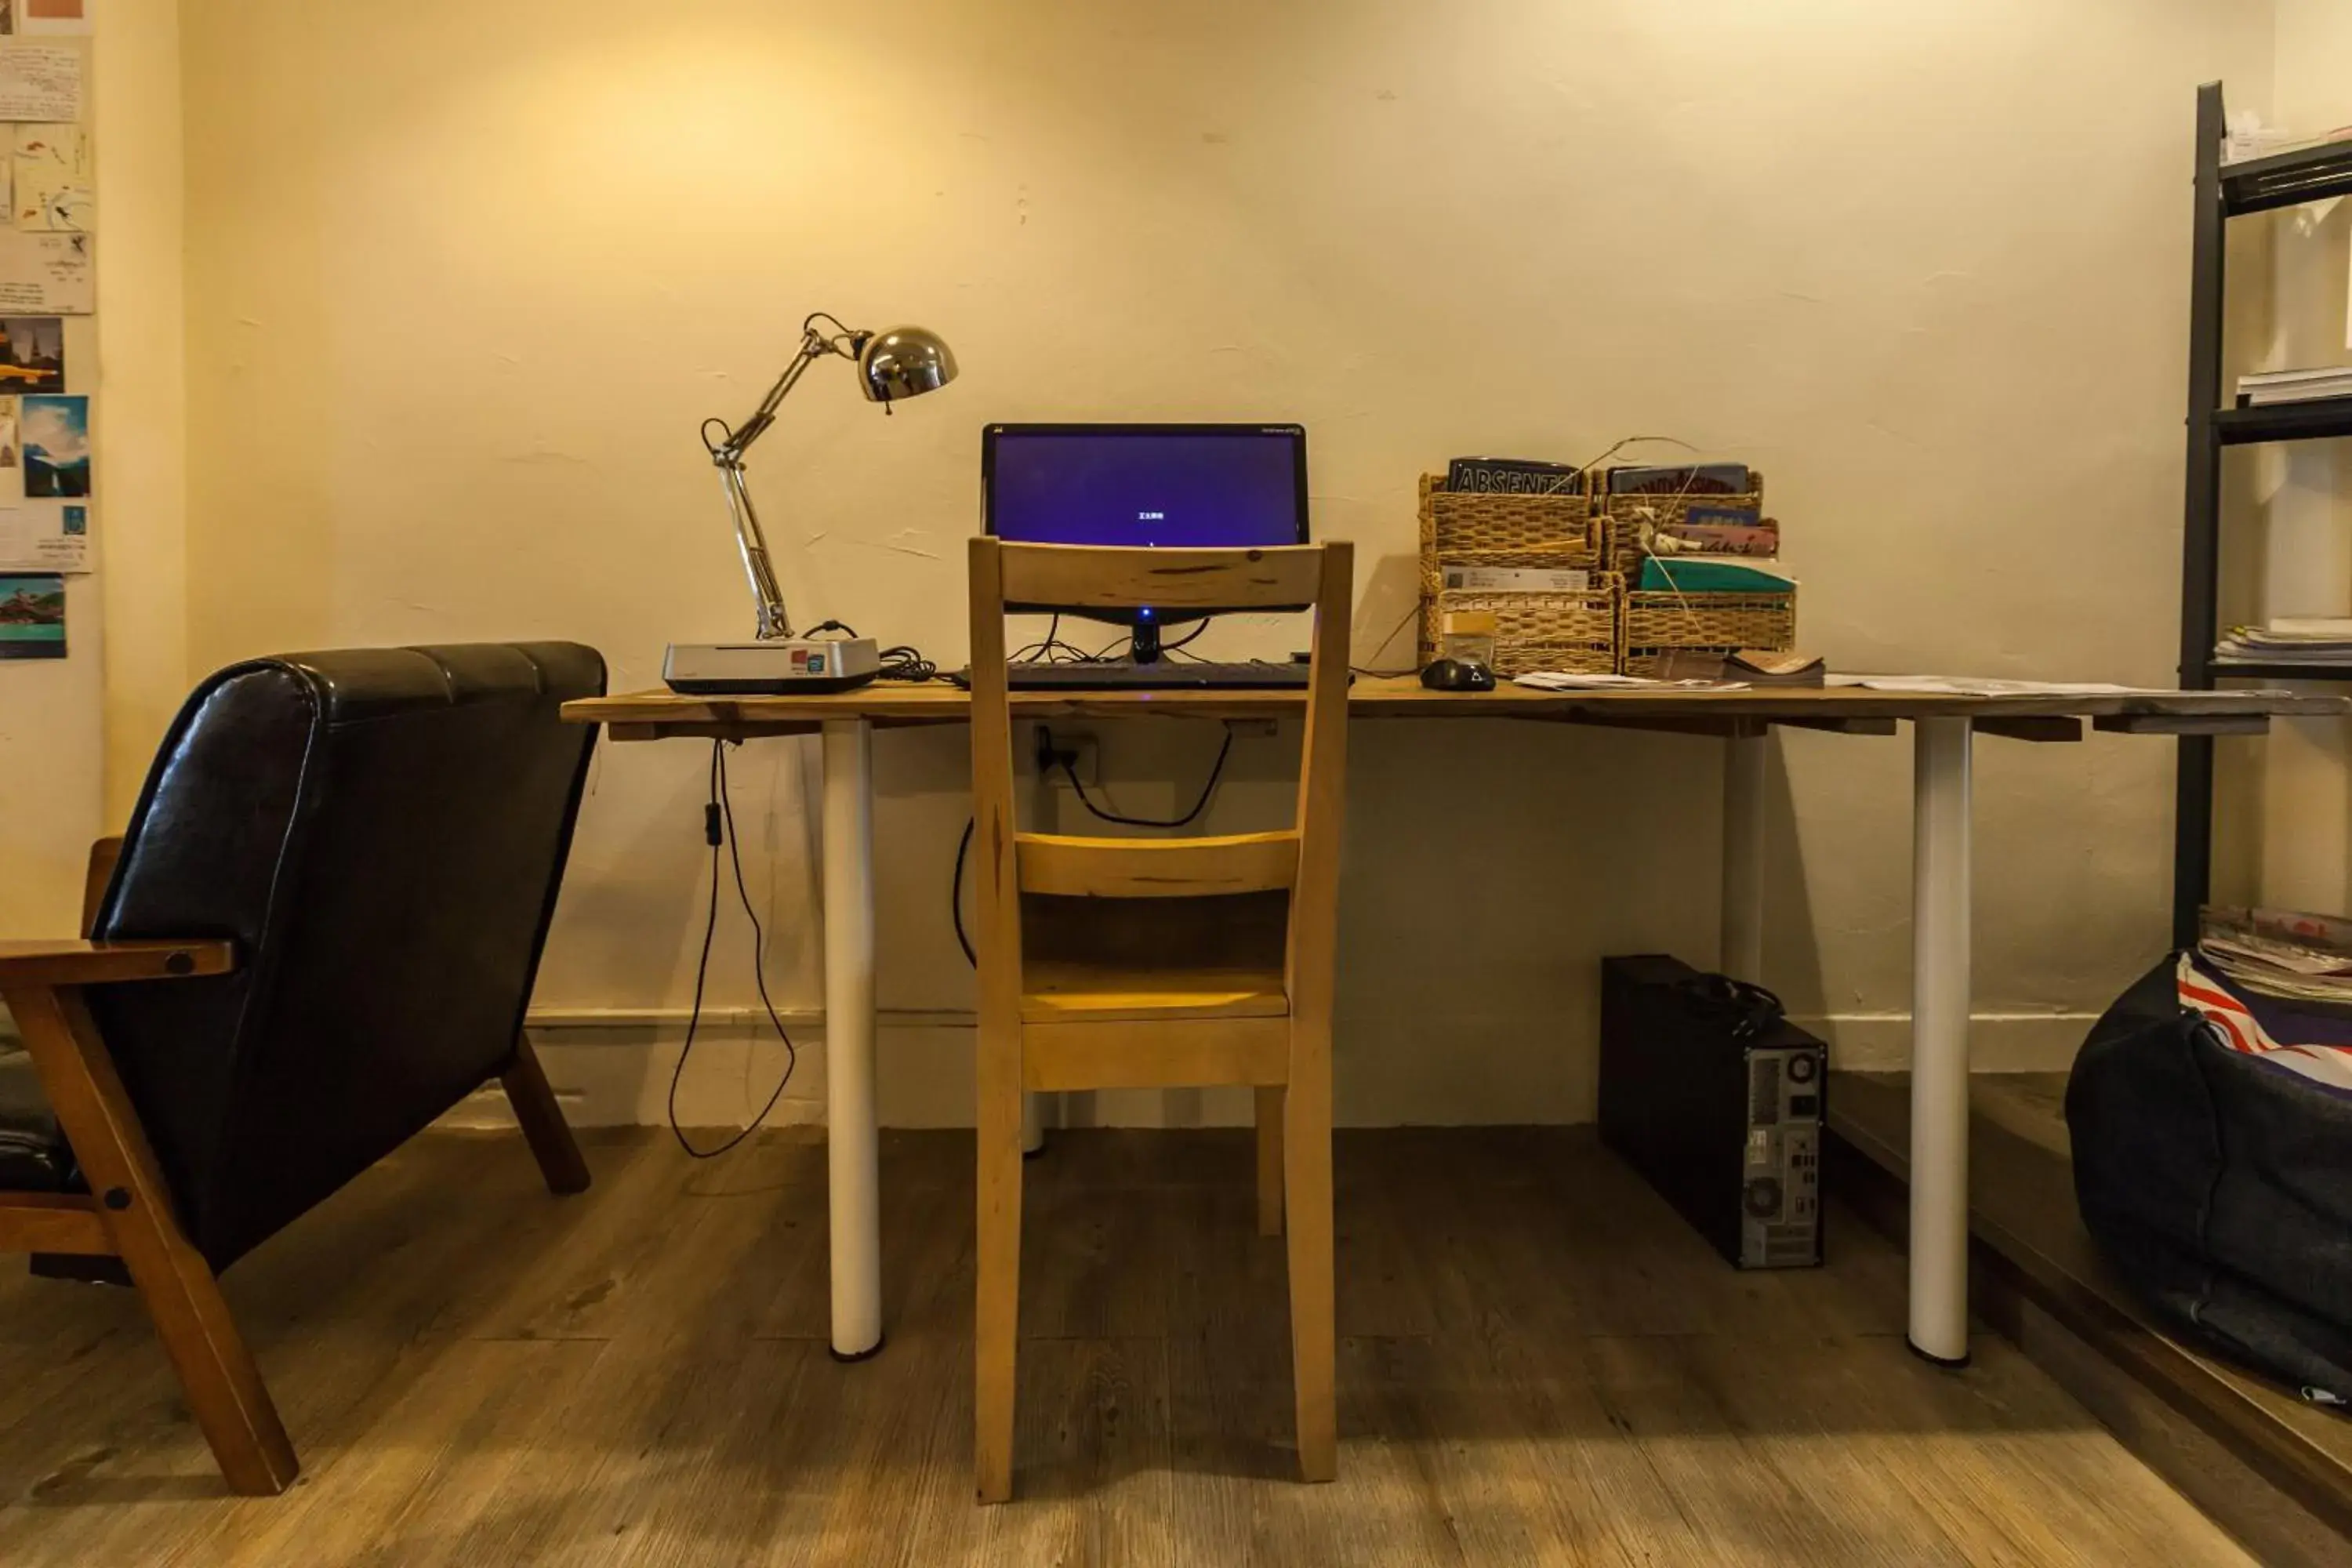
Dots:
pixel 103 854
pixel 98 963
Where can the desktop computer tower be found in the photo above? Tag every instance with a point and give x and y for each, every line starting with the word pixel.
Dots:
pixel 1718 1102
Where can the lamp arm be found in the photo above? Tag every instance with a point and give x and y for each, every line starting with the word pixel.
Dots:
pixel 727 455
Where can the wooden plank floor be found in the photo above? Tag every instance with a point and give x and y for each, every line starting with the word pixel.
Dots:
pixel 2023 1213
pixel 1538 1365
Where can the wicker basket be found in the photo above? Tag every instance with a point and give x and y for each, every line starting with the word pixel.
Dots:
pixel 1620 519
pixel 1659 623
pixel 1473 530
pixel 1575 633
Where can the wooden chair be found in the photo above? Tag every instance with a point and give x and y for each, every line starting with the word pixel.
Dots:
pixel 318 934
pixel 1145 962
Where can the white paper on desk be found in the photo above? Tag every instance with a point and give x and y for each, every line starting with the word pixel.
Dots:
pixel 46 274
pixel 1985 686
pixel 1549 680
pixel 51 180
pixel 45 536
pixel 39 81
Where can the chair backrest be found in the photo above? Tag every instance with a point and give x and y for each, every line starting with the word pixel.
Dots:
pixel 382 833
pixel 1303 861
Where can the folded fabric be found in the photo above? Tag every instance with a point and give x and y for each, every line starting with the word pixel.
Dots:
pixel 2315 1045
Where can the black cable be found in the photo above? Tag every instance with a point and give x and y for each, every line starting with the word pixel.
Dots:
pixel 955 895
pixel 1054 649
pixel 902 661
pixel 1216 772
pixel 718 828
pixel 905 662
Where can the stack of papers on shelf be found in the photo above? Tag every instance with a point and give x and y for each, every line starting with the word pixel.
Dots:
pixel 2293 957
pixel 2272 387
pixel 2317 640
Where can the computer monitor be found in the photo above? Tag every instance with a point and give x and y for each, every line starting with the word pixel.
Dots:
pixel 1230 486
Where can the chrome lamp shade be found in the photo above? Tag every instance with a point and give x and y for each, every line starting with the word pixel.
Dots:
pixel 905 362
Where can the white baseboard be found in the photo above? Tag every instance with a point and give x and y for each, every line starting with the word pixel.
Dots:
pixel 614 1068
pixel 1998 1042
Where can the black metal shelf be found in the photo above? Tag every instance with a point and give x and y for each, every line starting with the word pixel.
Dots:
pixel 2309 421
pixel 2233 669
pixel 2287 179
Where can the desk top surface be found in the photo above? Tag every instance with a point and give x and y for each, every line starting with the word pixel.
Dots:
pixel 647 715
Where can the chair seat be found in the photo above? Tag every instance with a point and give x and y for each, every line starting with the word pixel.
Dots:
pixel 34 1155
pixel 1060 990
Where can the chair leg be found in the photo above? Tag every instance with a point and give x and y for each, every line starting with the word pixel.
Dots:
pixel 996 1320
pixel 544 1127
pixel 1269 1159
pixel 1307 1169
pixel 223 1387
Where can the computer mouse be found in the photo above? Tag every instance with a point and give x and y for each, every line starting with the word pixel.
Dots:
pixel 1457 675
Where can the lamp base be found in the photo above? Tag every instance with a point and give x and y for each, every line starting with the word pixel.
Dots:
pixel 783 668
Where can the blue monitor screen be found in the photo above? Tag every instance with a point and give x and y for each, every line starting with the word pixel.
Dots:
pixel 1175 485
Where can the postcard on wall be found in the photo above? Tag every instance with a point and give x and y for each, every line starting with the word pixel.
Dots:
pixel 54 433
pixel 46 274
pixel 32 353
pixel 53 15
pixel 12 467
pixel 50 176
pixel 52 536
pixel 33 616
pixel 39 81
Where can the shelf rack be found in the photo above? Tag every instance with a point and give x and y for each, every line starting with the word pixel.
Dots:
pixel 2223 192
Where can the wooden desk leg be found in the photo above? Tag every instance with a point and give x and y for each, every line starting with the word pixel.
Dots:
pixel 1745 753
pixel 854 1182
pixel 1940 897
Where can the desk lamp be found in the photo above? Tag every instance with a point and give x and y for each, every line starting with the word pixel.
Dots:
pixel 904 361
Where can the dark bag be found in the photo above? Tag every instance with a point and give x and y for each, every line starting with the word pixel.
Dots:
pixel 2219 1186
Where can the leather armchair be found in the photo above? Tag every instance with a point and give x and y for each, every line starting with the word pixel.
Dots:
pixel 318 934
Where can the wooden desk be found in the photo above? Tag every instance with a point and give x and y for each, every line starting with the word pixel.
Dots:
pixel 1945 728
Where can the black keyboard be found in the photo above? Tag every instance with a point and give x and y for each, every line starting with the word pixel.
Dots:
pixel 1162 675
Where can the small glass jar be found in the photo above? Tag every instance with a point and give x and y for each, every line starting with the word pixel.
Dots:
pixel 1468 637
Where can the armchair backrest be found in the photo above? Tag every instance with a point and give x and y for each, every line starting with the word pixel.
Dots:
pixel 382 833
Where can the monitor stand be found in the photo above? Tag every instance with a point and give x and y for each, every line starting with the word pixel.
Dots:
pixel 1143 643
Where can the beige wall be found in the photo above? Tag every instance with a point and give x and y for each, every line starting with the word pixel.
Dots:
pixel 462 277
pixel 52 748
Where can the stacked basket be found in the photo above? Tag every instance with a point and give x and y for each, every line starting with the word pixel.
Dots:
pixel 1656 624
pixel 1576 631
pixel 1610 626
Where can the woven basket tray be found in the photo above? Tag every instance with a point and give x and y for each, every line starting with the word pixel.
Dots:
pixel 1618 520
pixel 1576 634
pixel 1657 623
pixel 1463 530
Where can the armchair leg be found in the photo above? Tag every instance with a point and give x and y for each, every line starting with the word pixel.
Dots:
pixel 223 1387
pixel 543 1126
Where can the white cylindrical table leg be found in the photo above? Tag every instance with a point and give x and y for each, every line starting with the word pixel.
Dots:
pixel 1939 1041
pixel 854 1180
pixel 1741 954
